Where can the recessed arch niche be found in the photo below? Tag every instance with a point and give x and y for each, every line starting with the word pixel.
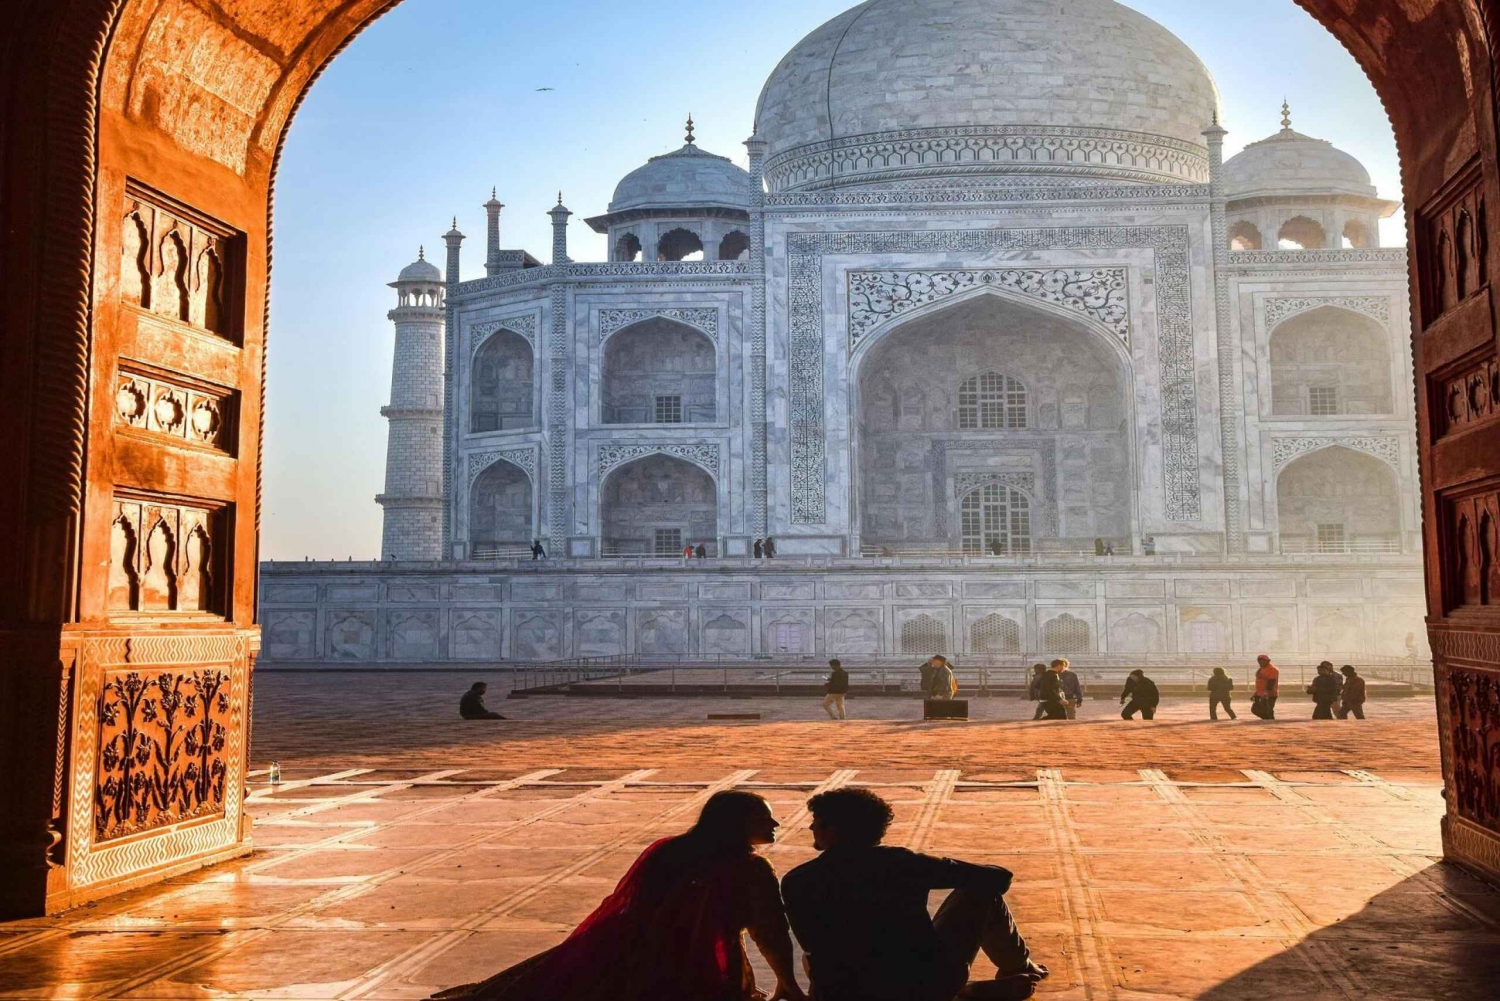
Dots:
pixel 656 505
pixel 659 371
pixel 1330 361
pixel 502 384
pixel 1059 421
pixel 502 509
pixel 1337 500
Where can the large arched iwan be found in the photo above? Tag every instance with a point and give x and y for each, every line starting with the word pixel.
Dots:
pixel 106 118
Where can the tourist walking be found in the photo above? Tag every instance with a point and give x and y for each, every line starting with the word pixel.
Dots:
pixel 1325 691
pixel 1353 700
pixel 942 685
pixel 1034 689
pixel 537 552
pixel 471 705
pixel 702 552
pixel 1050 690
pixel 758 549
pixel 1140 696
pixel 687 551
pixel 770 548
pixel 1267 689
pixel 834 690
pixel 1072 689
pixel 674 926
pixel 1219 687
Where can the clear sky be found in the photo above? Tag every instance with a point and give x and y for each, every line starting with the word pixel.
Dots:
pixel 439 101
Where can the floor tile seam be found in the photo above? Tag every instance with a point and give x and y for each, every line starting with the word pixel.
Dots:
pixel 425 952
pixel 939 788
pixel 339 894
pixel 1097 974
pixel 387 825
pixel 364 795
pixel 294 784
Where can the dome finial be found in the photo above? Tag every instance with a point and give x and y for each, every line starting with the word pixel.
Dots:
pixel 690 139
pixel 1286 115
pixel 421 252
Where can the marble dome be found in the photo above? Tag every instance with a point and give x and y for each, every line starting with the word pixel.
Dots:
pixel 420 270
pixel 895 90
pixel 685 178
pixel 1289 164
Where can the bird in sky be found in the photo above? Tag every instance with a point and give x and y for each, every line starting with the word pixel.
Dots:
pixel 540 89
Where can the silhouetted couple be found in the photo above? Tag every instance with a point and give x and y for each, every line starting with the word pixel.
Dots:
pixel 672 929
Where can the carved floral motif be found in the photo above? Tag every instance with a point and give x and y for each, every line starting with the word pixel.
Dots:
pixel 525 458
pixel 150 403
pixel 1385 448
pixel 523 326
pixel 1282 308
pixel 610 456
pixel 161 750
pixel 1474 721
pixel 878 297
pixel 704 319
pixel 1471 396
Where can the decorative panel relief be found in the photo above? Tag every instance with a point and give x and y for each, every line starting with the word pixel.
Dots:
pixel 1453 244
pixel 1384 447
pixel 1281 308
pixel 1470 396
pixel 522 326
pixel 879 297
pixel 159 753
pixel 167 556
pixel 177 407
pixel 1470 532
pixel 705 319
pixel 180 264
pixel 610 456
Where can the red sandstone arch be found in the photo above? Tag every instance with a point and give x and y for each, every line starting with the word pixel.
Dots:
pixel 188 100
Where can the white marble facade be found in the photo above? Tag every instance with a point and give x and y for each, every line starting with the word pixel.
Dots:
pixel 960 302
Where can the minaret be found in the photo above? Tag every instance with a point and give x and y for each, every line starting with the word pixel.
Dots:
pixel 559 214
pixel 1229 398
pixel 492 257
pixel 413 497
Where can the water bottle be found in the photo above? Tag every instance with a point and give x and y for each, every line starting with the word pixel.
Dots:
pixel 275 773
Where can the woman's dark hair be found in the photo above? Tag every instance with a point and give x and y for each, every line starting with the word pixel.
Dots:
pixel 859 815
pixel 1347 670
pixel 1218 670
pixel 725 819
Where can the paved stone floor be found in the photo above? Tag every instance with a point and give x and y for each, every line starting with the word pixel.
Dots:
pixel 404 852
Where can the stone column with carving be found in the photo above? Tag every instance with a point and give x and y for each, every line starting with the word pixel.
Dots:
pixel 560 214
pixel 454 240
pixel 558 438
pixel 758 500
pixel 492 245
pixel 1229 397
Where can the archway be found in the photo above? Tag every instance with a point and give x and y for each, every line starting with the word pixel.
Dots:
pixel 1337 500
pixel 1302 233
pixel 659 371
pixel 657 505
pixel 1331 362
pixel 679 244
pixel 501 511
pixel 102 93
pixel 501 391
pixel 962 412
pixel 1244 235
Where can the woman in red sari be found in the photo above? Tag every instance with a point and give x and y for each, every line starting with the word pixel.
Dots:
pixel 672 930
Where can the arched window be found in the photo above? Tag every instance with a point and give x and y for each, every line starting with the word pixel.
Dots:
pixel 501 382
pixel 500 511
pixel 628 247
pixel 733 246
pixel 1330 362
pixel 1302 233
pixel 659 371
pixel 1337 500
pixel 995 520
pixel 1067 634
pixel 679 245
pixel 1243 235
pixel 1357 236
pixel 656 505
pixel 995 634
pixel 991 401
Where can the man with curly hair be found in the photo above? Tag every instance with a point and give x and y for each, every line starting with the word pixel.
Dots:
pixel 860 911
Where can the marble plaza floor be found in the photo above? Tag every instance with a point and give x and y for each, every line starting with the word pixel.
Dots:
pixel 404 852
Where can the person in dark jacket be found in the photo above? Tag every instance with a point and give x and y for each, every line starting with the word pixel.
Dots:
pixel 1053 705
pixel 701 552
pixel 537 552
pixel 859 909
pixel 770 548
pixel 1034 689
pixel 1353 699
pixel 1325 691
pixel 1140 696
pixel 471 706
pixel 758 549
pixel 1219 687
pixel 1072 690
pixel 941 684
pixel 834 690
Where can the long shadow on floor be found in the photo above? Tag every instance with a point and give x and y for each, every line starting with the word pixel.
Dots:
pixel 1435 935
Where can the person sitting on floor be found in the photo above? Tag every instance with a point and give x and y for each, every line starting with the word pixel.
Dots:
pixel 672 929
pixel 471 706
pixel 860 911
pixel 1140 696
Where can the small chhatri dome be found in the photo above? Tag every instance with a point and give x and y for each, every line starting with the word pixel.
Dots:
pixel 1290 163
pixel 420 270
pixel 684 179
